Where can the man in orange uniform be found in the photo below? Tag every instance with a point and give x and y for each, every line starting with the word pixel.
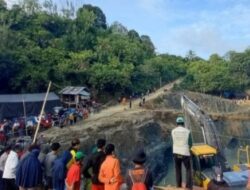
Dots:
pixel 73 180
pixel 110 171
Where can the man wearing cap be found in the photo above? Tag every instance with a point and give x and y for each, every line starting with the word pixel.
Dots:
pixel 139 174
pixel 94 162
pixel 73 180
pixel 182 142
pixel 49 159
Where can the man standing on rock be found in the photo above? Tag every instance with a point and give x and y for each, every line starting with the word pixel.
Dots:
pixel 182 142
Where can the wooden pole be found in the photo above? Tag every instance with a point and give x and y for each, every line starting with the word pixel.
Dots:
pixel 160 82
pixel 25 117
pixel 40 117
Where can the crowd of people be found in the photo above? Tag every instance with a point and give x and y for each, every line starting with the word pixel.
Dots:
pixel 34 170
pixel 26 126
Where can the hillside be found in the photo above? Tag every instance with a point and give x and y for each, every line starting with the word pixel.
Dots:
pixel 150 126
pixel 78 47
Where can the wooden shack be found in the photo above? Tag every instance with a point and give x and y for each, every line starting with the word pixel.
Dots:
pixel 72 96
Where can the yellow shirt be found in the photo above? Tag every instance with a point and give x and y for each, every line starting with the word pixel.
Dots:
pixel 73 159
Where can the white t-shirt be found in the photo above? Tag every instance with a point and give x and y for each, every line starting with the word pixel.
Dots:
pixel 10 166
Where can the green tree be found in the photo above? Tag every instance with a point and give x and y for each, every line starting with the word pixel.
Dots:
pixel 3 5
pixel 118 28
pixel 31 6
pixel 50 7
pixel 112 77
pixel 132 34
pixel 100 18
pixel 215 58
pixel 68 10
pixel 148 46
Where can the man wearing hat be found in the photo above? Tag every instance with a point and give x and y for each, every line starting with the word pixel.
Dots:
pixel 73 180
pixel 139 174
pixel 182 142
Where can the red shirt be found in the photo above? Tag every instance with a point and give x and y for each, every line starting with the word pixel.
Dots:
pixel 74 177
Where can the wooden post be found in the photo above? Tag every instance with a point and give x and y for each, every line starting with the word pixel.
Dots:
pixel 160 82
pixel 25 117
pixel 41 113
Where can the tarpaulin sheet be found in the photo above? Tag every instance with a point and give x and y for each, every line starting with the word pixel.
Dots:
pixel 235 178
pixel 13 105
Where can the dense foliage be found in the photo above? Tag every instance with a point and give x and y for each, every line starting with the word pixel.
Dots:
pixel 219 75
pixel 77 47
pixel 68 47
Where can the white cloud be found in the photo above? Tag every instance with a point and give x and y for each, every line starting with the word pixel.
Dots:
pixel 204 40
pixel 213 31
pixel 11 2
pixel 233 18
pixel 154 7
pixel 151 5
pixel 200 38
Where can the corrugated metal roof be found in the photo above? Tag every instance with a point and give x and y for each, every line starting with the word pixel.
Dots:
pixel 84 93
pixel 72 90
pixel 38 97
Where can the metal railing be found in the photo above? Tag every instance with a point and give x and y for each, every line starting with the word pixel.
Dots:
pixel 208 128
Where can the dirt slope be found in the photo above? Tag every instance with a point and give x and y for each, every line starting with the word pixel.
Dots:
pixel 135 104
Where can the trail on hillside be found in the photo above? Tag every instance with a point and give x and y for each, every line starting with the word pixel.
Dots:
pixel 110 111
pixel 113 113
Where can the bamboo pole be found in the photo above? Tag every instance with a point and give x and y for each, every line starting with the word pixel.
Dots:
pixel 41 113
pixel 25 117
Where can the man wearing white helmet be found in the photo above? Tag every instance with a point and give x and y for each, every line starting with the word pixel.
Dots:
pixel 182 143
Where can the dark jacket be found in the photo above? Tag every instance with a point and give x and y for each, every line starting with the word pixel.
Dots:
pixel 94 161
pixel 59 171
pixel 48 163
pixel 138 173
pixel 29 172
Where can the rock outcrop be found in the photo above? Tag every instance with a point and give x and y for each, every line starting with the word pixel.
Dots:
pixel 129 131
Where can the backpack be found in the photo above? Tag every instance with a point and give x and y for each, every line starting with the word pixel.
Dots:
pixel 138 185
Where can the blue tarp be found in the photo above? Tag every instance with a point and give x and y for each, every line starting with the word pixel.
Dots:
pixel 234 179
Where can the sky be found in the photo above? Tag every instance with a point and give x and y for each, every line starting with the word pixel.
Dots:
pixel 177 26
